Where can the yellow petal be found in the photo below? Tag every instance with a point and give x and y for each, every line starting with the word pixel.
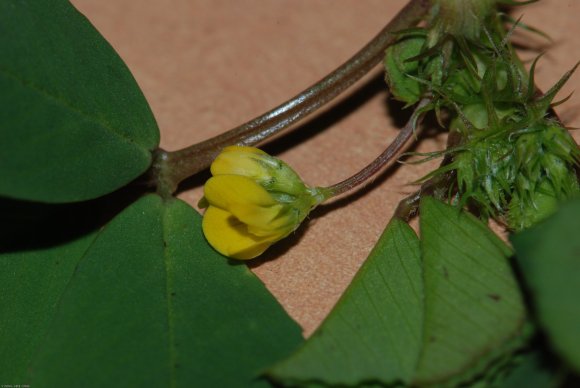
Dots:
pixel 238 148
pixel 238 160
pixel 280 221
pixel 270 172
pixel 230 237
pixel 224 191
pixel 248 202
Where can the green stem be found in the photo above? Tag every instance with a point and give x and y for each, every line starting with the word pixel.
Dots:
pixel 170 168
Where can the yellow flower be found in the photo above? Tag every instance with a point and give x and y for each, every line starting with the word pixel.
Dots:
pixel 252 201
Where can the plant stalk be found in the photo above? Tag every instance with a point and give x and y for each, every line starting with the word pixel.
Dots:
pixel 170 168
pixel 383 159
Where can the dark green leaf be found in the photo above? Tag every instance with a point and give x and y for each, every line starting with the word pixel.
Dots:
pixel 374 332
pixel 472 302
pixel 530 371
pixel 549 256
pixel 525 369
pixel 74 125
pixel 397 69
pixel 31 283
pixel 149 304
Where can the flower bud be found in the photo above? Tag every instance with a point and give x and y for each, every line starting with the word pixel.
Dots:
pixel 252 201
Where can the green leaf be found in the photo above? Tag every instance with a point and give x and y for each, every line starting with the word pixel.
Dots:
pixel 473 307
pixel 373 334
pixel 549 257
pixel 149 304
pixel 397 69
pixel 530 371
pixel 31 282
pixel 74 124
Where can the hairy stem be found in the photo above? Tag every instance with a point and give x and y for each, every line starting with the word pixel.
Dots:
pixel 170 168
pixel 439 186
pixel 382 160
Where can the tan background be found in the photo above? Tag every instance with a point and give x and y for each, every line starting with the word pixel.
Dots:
pixel 208 65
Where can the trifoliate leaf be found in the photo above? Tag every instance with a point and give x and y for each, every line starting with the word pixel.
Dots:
pixel 148 304
pixel 473 306
pixel 32 280
pixel 373 334
pixel 74 125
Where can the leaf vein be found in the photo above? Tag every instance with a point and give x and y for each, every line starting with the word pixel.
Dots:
pixel 68 105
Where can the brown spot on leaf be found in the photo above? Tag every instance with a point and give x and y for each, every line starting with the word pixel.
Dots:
pixel 494 297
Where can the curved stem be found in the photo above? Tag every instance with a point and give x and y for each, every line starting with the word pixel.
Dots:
pixel 376 165
pixel 177 165
pixel 438 186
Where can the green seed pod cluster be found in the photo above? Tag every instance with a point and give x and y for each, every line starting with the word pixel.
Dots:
pixel 512 159
pixel 518 177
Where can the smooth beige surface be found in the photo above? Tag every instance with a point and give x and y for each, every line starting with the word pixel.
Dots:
pixel 208 65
